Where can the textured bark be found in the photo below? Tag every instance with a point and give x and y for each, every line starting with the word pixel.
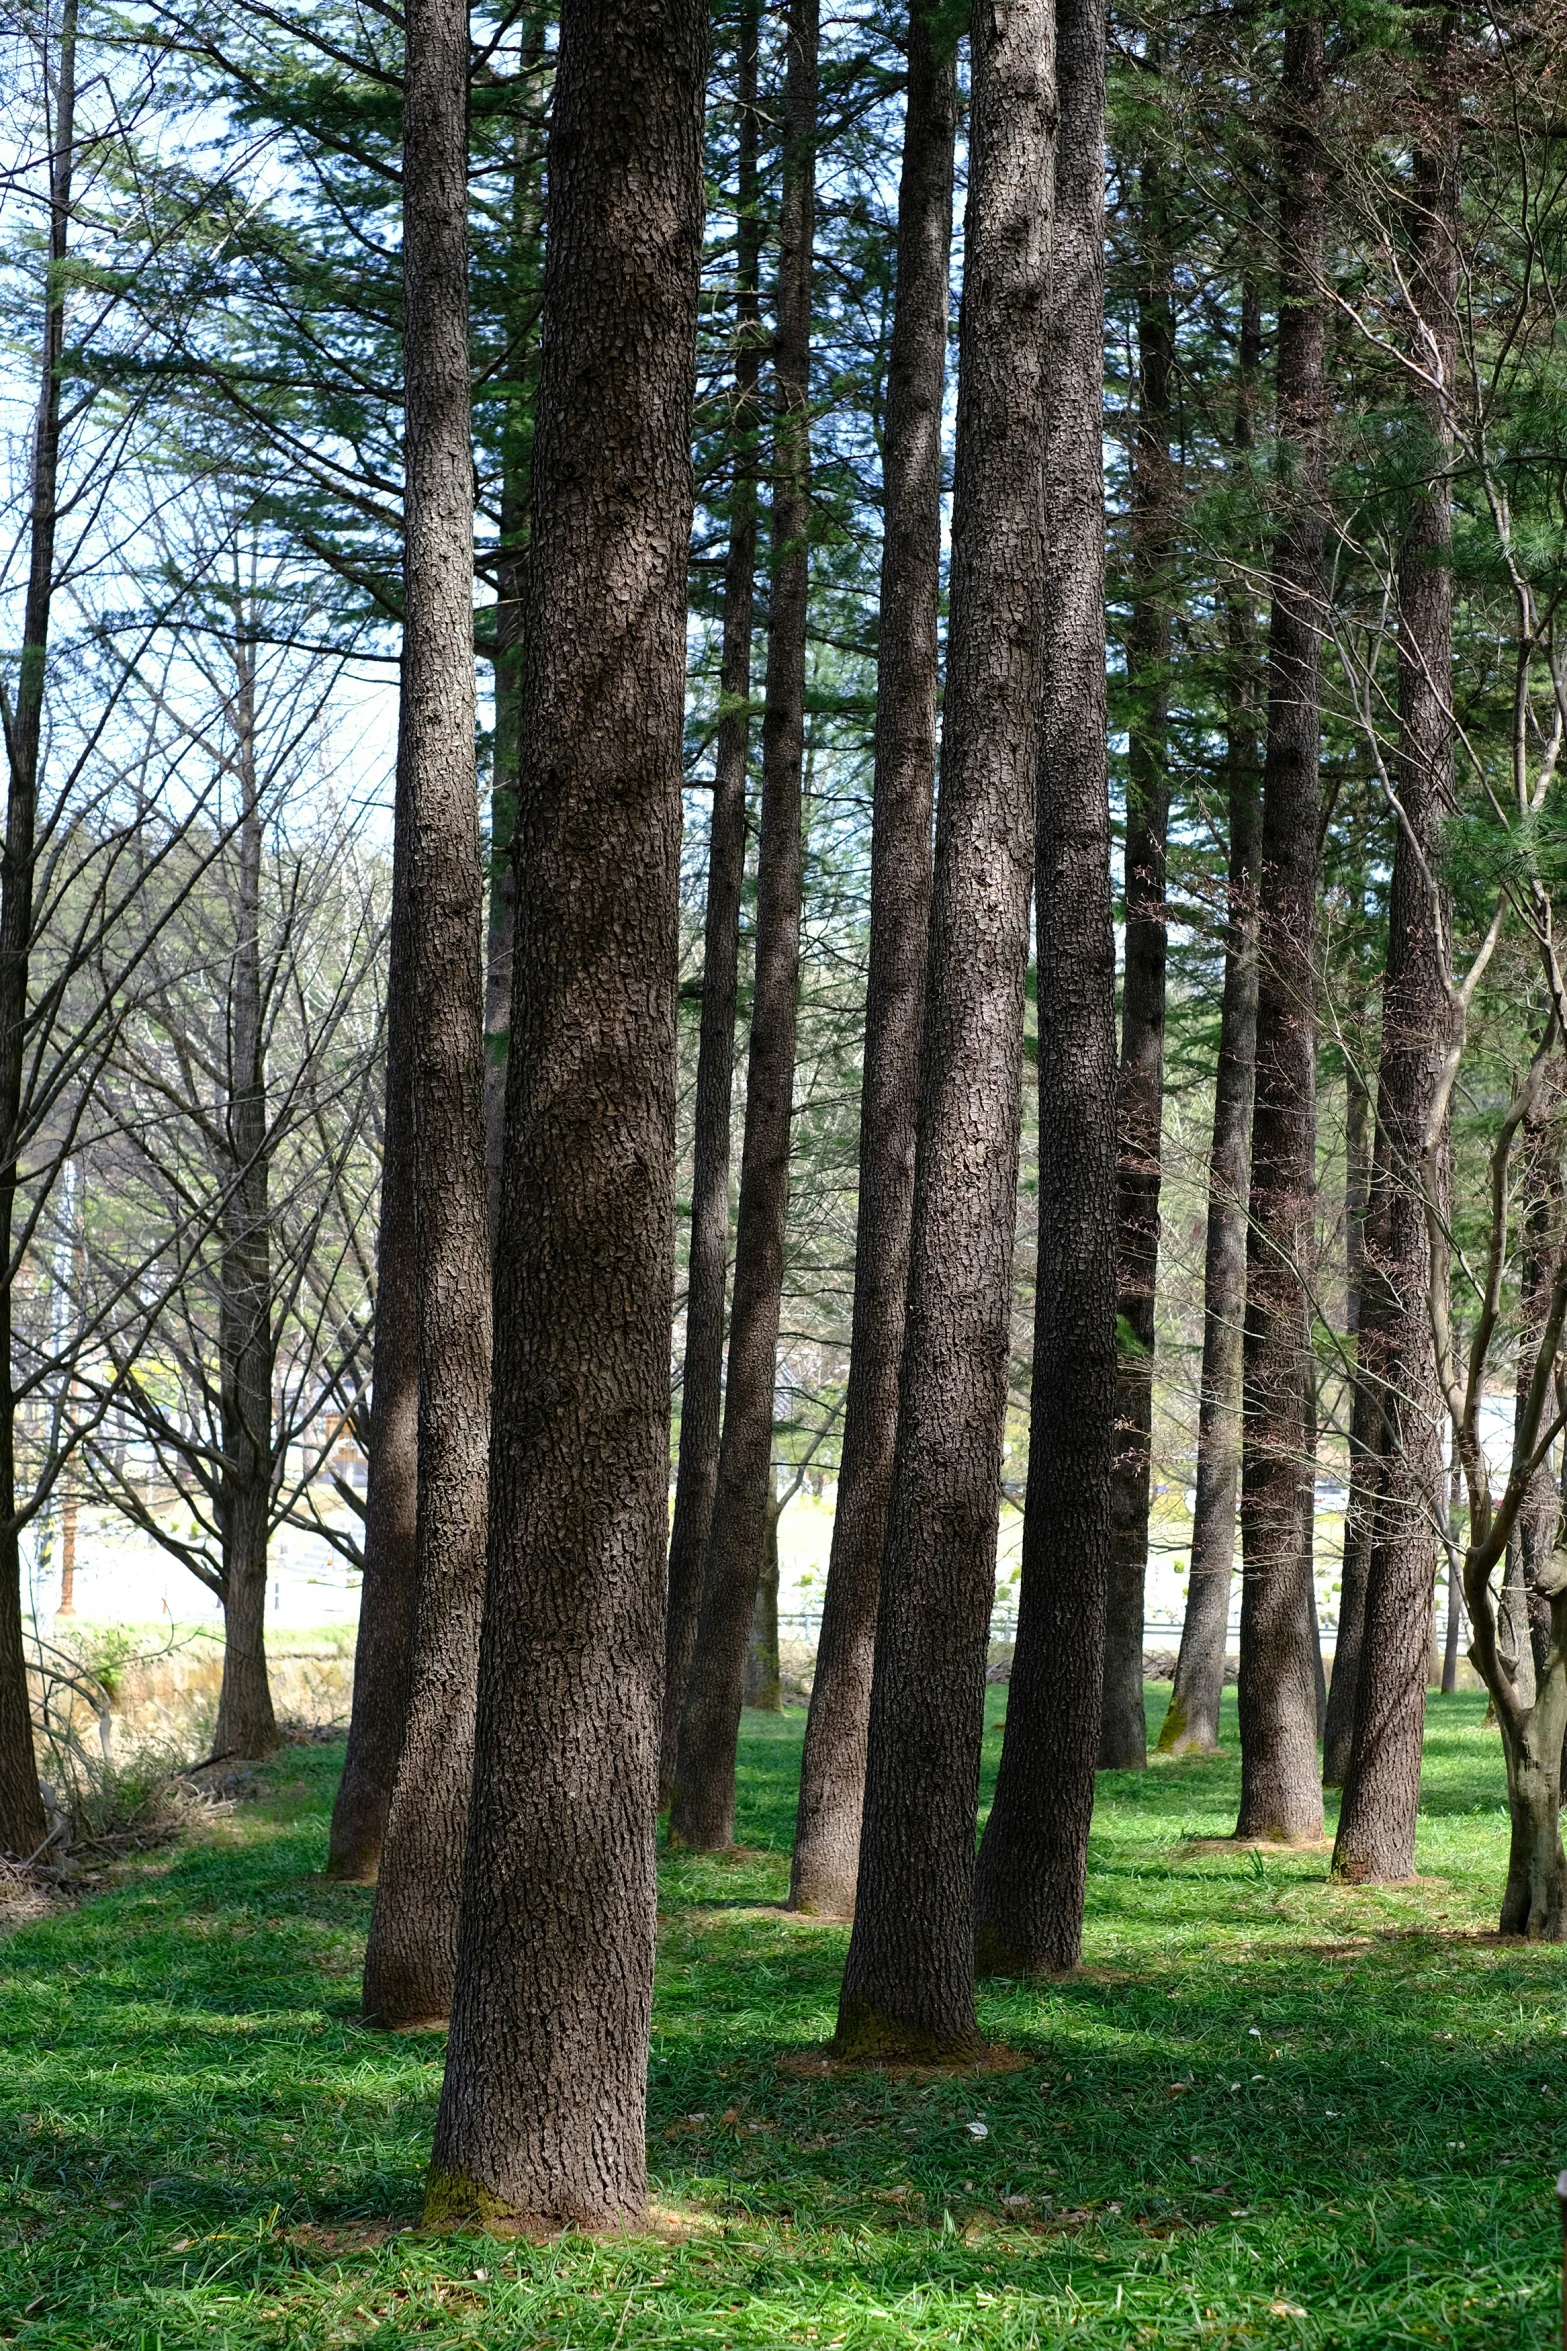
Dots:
pixel 908 1986
pixel 1376 1833
pixel 388 1591
pixel 1281 1794
pixel 1032 1863
pixel 412 1948
pixel 1123 1735
pixel 1534 1902
pixel 1192 1724
pixel 22 1825
pixel 702 1374
pixel 1526 1612
pixel 245 1724
pixel 543 2110
pixel 702 1809
pixel 763 1687
pixel 832 1768
pixel 1355 1561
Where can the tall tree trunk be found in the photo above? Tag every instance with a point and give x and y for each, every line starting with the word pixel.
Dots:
pixel 1281 1792
pixel 245 1725
pixel 1526 1611
pixel 412 1948
pixel 1032 1863
pixel 702 1810
pixel 543 2110
pixel 501 926
pixel 702 1375
pixel 763 1683
pixel 22 1825
pixel 388 1592
pixel 1191 1725
pixel 908 1986
pixel 832 1769
pixel 1123 1734
pixel 1376 1833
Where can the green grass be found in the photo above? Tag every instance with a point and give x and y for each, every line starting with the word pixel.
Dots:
pixel 1268 2111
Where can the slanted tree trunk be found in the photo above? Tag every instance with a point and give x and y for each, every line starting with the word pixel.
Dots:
pixel 1123 1735
pixel 388 1591
pixel 702 1373
pixel 1032 1863
pixel 702 1809
pixel 245 1725
pixel 412 1947
pixel 1376 1832
pixel 1281 1792
pixel 22 1824
pixel 543 2109
pixel 908 1986
pixel 1453 1532
pixel 832 1768
pixel 1191 1725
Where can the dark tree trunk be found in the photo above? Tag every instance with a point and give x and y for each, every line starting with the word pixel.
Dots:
pixel 501 927
pixel 1526 1611
pixel 1339 1724
pixel 763 1685
pixel 1281 1791
pixel 1032 1863
pixel 22 1824
pixel 702 1809
pixel 412 1948
pixel 388 1591
pixel 1376 1833
pixel 908 1987
pixel 1123 1734
pixel 702 1375
pixel 245 1725
pixel 1192 1724
pixel 543 2110
pixel 832 1770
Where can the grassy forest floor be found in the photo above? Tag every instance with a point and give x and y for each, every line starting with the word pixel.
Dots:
pixel 1268 2110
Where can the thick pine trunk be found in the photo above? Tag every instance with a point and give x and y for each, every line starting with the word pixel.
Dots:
pixel 388 1591
pixel 246 1725
pixel 1123 1734
pixel 1364 1475
pixel 1281 1791
pixel 763 1683
pixel 832 1770
pixel 908 1986
pixel 1032 1863
pixel 1191 1726
pixel 702 1808
pixel 543 2110
pixel 1376 1833
pixel 412 1948
pixel 22 1825
pixel 702 1374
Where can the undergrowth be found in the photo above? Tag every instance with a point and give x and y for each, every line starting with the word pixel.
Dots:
pixel 1269 2110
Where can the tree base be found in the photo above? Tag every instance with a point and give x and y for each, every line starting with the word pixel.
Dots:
pixel 996 1954
pixel 866 2036
pixel 453 2200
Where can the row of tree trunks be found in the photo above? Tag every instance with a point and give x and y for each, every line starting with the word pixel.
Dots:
pixel 1376 1832
pixel 1281 1793
pixel 543 2108
pixel 702 1371
pixel 22 1825
pixel 1033 1861
pixel 908 1986
pixel 832 1770
pixel 1123 1738
pixel 411 1953
pixel 1191 1725
pixel 702 1806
